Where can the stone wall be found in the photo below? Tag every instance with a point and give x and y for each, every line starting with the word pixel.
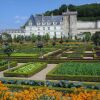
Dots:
pixel 88 26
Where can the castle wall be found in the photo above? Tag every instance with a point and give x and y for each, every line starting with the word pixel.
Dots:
pixel 88 26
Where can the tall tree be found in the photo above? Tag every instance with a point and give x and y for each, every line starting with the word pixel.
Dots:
pixel 8 36
pixel 33 38
pixel 96 38
pixel 87 36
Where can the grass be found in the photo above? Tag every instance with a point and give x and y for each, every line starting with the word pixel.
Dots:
pixel 25 54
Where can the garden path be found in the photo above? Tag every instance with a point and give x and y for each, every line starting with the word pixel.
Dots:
pixel 42 74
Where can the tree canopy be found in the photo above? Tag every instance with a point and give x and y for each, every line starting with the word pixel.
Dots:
pixel 87 12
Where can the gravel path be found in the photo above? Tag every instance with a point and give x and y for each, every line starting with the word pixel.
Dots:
pixel 42 74
pixel 39 76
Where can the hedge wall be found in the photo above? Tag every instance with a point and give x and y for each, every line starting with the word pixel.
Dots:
pixel 12 64
pixel 14 74
pixel 73 78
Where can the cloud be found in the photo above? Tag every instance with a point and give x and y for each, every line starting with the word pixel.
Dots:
pixel 19 19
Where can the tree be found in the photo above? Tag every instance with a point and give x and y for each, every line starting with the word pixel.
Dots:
pixel 33 38
pixel 27 38
pixel 6 47
pixel 15 38
pixel 87 12
pixel 96 38
pixel 54 39
pixel 1 39
pixel 20 38
pixel 61 39
pixel 39 44
pixel 46 37
pixel 8 50
pixel 87 36
pixel 8 36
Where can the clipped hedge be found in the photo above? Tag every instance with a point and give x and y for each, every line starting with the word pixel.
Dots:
pixel 67 71
pixel 12 64
pixel 73 78
pixel 10 73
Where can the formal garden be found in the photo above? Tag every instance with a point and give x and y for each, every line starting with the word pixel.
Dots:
pixel 50 69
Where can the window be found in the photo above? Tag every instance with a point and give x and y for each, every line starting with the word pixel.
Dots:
pixel 38 23
pixel 30 23
pixel 43 23
pixel 49 23
pixel 48 28
pixel 60 23
pixel 43 28
pixel 38 28
pixel 54 23
pixel 54 28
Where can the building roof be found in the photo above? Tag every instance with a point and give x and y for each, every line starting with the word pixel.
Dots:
pixel 43 19
pixel 12 31
pixel 47 19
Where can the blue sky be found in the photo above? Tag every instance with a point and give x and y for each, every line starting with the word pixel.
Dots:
pixel 14 13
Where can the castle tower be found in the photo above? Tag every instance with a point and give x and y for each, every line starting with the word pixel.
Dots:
pixel 70 23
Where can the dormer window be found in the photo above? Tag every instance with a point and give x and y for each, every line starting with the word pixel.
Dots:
pixel 54 23
pixel 30 23
pixel 43 23
pixel 38 23
pixel 48 23
pixel 60 23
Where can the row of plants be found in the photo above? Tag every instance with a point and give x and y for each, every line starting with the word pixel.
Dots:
pixel 26 70
pixel 21 55
pixel 51 84
pixel 48 94
pixel 53 54
pixel 75 71
pixel 4 65
pixel 72 55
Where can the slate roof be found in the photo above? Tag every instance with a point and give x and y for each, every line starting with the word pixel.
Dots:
pixel 44 19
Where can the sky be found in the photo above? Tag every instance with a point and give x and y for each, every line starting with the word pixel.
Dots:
pixel 14 13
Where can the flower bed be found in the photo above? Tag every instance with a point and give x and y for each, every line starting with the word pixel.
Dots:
pixel 48 94
pixel 64 84
pixel 75 71
pixel 26 70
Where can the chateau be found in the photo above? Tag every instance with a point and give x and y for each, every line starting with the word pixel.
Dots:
pixel 65 24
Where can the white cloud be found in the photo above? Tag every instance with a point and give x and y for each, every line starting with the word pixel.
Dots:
pixel 19 19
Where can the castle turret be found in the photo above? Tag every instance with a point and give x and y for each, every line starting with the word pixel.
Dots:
pixel 70 23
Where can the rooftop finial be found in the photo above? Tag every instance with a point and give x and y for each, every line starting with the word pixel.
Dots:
pixel 42 16
pixel 52 14
pixel 67 9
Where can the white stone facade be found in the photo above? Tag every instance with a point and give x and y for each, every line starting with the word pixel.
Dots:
pixel 65 24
